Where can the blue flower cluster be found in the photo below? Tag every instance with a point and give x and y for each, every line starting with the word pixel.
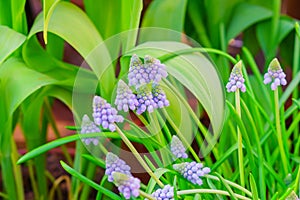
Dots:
pixel 166 193
pixel 177 148
pixel 236 79
pixel 119 173
pixel 87 126
pixel 145 79
pixel 192 171
pixel 275 74
pixel 115 164
pixel 104 114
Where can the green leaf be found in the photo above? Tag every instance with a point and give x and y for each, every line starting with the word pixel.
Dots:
pixel 10 40
pixel 253 187
pixel 84 179
pixel 167 14
pixel 226 186
pixel 158 173
pixel 245 15
pixel 48 8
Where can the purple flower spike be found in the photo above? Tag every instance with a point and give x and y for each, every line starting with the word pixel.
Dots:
pixel 166 193
pixel 159 97
pixel 192 171
pixel 145 99
pixel 137 75
pixel 104 114
pixel 125 98
pixel 155 69
pixel 87 126
pixel 236 80
pixel 275 74
pixel 115 164
pixel 127 185
pixel 177 148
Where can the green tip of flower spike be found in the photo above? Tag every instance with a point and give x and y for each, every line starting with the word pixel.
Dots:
pixel 274 65
pixel 119 178
pixel 237 69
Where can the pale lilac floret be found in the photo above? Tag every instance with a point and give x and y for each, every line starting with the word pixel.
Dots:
pixel 137 75
pixel 177 148
pixel 129 186
pixel 275 75
pixel 87 126
pixel 104 114
pixel 155 69
pixel 125 99
pixel 146 102
pixel 192 171
pixel 236 79
pixel 166 193
pixel 115 164
pixel 159 97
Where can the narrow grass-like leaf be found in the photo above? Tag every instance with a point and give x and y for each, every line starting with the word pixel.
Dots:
pixel 158 173
pixel 94 160
pixel 226 186
pixel 94 185
pixel 253 187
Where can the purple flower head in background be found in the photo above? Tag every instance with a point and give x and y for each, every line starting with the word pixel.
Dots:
pixel 236 80
pixel 159 97
pixel 177 148
pixel 155 69
pixel 127 185
pixel 165 193
pixel 275 75
pixel 192 171
pixel 87 126
pixel 137 75
pixel 115 164
pixel 145 99
pixel 125 99
pixel 104 114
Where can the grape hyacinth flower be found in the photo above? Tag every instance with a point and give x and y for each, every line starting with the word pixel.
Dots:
pixel 125 99
pixel 155 69
pixel 87 126
pixel 177 148
pixel 236 80
pixel 192 171
pixel 104 114
pixel 137 75
pixel 115 164
pixel 127 185
pixel 275 74
pixel 159 97
pixel 166 193
pixel 145 99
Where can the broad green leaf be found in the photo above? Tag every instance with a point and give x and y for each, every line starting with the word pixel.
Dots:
pixel 286 25
pixel 5 13
pixel 87 181
pixel 196 73
pixel 244 15
pixel 18 16
pixel 10 40
pixel 168 14
pixel 48 8
pixel 84 37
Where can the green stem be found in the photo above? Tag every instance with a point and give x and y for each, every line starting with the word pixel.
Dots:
pixel 210 191
pixel 240 140
pixel 186 143
pixel 279 134
pixel 231 184
pixel 148 196
pixel 138 156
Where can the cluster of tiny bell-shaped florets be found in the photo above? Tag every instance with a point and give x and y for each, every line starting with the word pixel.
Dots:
pixel 192 171
pixel 275 75
pixel 177 148
pixel 144 78
pixel 87 126
pixel 104 114
pixel 115 164
pixel 165 193
pixel 236 79
pixel 119 173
